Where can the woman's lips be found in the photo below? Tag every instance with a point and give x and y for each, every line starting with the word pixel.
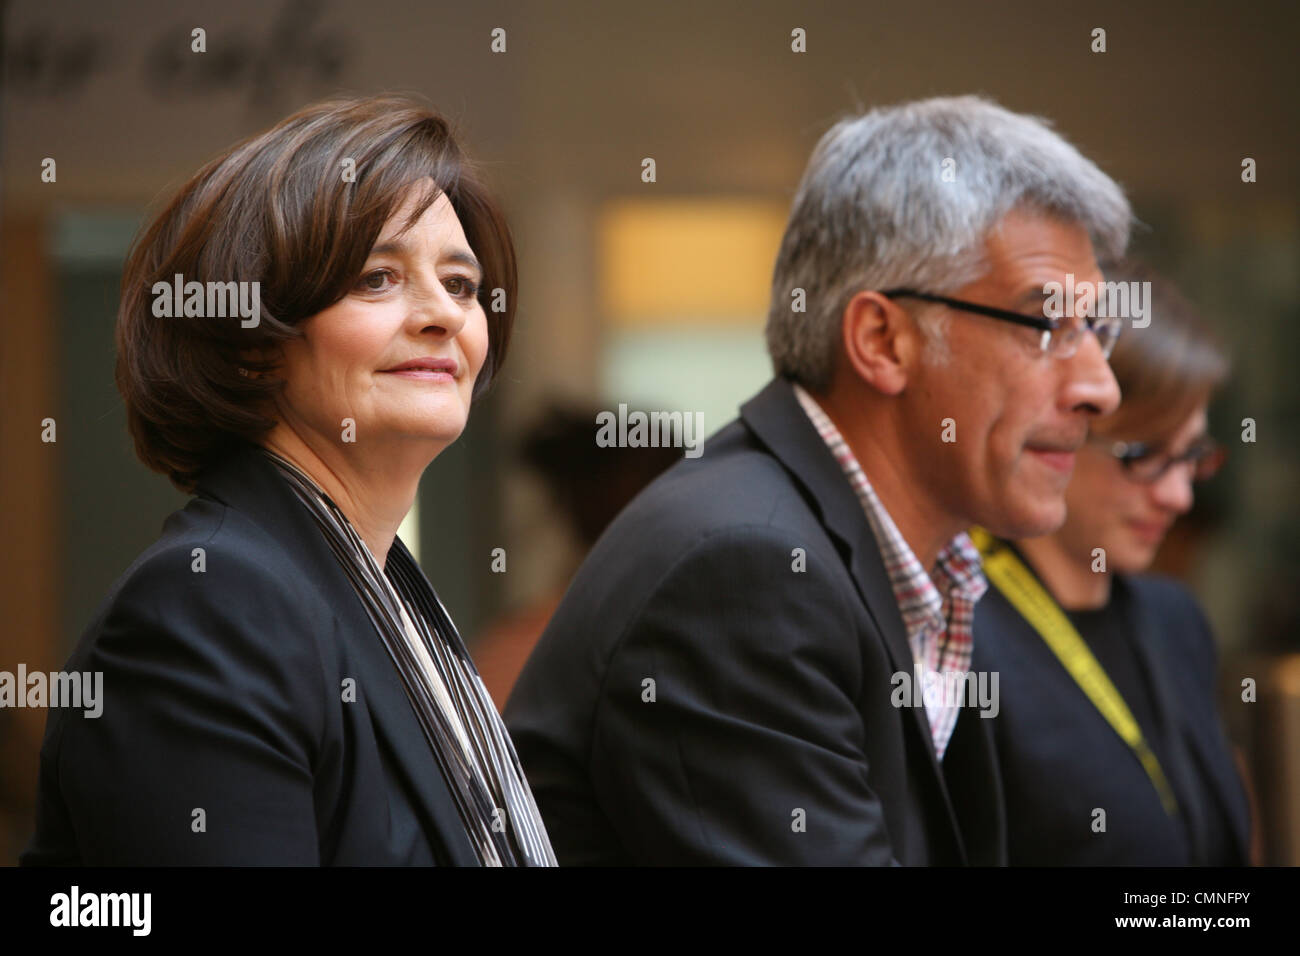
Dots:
pixel 422 374
pixel 433 370
pixel 1148 531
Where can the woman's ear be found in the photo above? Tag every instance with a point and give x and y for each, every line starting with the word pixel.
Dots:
pixel 881 341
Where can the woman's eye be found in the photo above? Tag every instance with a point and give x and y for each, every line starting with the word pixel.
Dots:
pixel 462 287
pixel 374 281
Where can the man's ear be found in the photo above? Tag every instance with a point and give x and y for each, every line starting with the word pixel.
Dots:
pixel 881 341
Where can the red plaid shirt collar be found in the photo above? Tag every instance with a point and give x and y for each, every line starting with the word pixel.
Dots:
pixel 937 608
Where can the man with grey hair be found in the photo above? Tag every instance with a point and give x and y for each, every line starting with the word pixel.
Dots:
pixel 753 664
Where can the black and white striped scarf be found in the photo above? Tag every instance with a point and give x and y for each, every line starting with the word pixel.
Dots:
pixel 454 708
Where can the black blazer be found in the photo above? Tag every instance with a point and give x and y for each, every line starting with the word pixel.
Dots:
pixel 771 687
pixel 1060 759
pixel 223 692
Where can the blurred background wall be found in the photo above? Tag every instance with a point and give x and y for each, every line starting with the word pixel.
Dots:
pixel 651 294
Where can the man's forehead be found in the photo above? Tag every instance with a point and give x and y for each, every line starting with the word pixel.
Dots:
pixel 1029 282
pixel 1022 264
pixel 1028 234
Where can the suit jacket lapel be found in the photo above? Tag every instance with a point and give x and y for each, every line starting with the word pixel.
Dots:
pixel 981 810
pixel 395 724
pixel 249 483
pixel 775 416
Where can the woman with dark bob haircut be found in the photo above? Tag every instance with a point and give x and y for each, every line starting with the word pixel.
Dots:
pixel 302 330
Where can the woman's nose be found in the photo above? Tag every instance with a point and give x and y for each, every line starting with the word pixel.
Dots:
pixel 438 310
pixel 1173 490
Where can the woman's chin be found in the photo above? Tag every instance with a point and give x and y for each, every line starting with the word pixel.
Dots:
pixel 1139 558
pixel 428 434
pixel 441 421
pixel 442 434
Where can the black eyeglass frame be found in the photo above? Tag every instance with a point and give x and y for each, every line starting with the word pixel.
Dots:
pixel 1006 315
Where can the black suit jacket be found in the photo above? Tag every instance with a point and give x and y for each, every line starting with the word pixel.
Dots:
pixel 223 692
pixel 1060 759
pixel 770 737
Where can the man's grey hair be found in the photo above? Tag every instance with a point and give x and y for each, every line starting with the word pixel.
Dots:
pixel 875 211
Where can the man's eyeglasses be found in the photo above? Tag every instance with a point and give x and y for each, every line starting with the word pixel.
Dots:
pixel 1144 463
pixel 1061 333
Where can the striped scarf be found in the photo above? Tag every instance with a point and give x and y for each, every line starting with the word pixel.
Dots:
pixel 454 709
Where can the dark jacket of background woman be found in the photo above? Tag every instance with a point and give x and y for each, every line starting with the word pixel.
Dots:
pixel 1060 760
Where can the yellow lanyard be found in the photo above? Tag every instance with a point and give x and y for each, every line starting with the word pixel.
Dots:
pixel 1018 585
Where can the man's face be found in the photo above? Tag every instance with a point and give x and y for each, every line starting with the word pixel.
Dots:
pixel 1020 413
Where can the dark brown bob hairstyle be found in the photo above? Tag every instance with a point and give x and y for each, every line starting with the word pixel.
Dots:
pixel 296 209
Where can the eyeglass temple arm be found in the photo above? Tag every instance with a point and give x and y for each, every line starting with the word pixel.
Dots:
pixel 1044 325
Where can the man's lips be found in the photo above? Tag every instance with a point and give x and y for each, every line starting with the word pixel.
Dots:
pixel 1058 457
pixel 426 369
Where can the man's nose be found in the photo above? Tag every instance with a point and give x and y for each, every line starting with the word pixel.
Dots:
pixel 1090 384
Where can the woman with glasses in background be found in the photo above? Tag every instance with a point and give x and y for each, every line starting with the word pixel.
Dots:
pixel 1109 742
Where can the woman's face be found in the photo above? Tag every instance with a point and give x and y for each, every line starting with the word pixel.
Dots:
pixel 1108 509
pixel 399 354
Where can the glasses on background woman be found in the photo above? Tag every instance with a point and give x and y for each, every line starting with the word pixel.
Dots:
pixel 1146 462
